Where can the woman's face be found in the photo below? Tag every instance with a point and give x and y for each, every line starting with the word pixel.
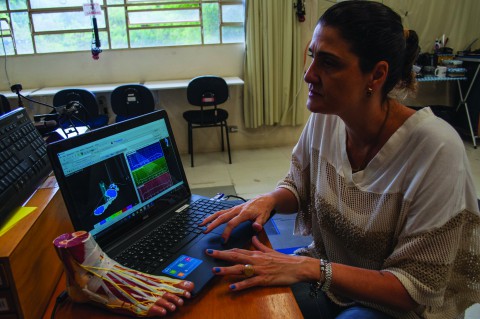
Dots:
pixel 335 81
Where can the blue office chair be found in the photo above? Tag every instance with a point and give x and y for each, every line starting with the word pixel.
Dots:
pixel 81 109
pixel 4 105
pixel 131 100
pixel 207 92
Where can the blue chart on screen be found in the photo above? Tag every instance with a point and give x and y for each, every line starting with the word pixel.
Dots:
pixel 150 171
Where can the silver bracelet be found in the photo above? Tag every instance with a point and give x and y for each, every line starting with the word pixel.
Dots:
pixel 328 277
pixel 315 287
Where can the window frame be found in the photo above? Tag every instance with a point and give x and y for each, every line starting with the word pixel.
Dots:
pixel 128 7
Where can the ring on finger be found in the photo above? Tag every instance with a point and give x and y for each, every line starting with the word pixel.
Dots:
pixel 248 270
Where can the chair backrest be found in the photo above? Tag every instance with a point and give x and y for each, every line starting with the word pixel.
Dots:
pixel 132 100
pixel 4 105
pixel 207 90
pixel 89 105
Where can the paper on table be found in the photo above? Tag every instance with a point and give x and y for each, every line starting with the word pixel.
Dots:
pixel 15 218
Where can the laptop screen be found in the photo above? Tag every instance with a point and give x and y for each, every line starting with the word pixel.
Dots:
pixel 113 178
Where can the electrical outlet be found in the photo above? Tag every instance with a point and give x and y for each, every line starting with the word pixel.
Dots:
pixel 233 129
pixel 102 104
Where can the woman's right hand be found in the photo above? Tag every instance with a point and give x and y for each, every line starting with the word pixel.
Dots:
pixel 257 210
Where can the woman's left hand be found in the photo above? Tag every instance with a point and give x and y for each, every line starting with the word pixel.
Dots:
pixel 270 268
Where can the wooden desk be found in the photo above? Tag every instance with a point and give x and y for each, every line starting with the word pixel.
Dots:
pixel 29 266
pixel 216 301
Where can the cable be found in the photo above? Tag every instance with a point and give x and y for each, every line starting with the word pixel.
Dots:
pixel 96 50
pixel 63 114
pixel 60 299
pixel 37 102
pixel 233 196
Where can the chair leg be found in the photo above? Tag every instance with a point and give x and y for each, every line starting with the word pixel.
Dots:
pixel 190 143
pixel 228 144
pixel 222 126
pixel 189 138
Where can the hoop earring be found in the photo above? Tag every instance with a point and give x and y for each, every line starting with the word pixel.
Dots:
pixel 369 91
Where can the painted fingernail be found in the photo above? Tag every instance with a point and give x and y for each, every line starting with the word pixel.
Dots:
pixel 233 287
pixel 209 251
pixel 216 269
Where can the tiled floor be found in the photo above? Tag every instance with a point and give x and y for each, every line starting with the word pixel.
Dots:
pixel 254 172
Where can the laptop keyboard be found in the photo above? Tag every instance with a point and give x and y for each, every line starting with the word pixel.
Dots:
pixel 153 250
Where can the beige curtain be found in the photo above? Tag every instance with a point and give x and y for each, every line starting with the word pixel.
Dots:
pixel 273 64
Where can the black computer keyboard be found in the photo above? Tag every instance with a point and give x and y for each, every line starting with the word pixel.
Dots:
pixel 151 251
pixel 23 160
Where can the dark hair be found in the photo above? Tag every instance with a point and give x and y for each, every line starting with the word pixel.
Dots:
pixel 375 33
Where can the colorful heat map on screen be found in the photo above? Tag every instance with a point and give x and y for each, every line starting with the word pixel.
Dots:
pixel 150 171
pixel 109 195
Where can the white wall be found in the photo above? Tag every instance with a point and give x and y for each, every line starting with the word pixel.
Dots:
pixel 135 65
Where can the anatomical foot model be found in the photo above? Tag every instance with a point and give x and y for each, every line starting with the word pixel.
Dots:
pixel 93 277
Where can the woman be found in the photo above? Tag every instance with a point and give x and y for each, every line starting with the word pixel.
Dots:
pixel 385 191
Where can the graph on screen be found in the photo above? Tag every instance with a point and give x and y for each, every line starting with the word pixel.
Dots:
pixel 150 170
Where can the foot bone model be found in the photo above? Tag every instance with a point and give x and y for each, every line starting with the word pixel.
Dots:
pixel 94 277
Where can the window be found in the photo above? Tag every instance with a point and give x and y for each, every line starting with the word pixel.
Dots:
pixel 46 26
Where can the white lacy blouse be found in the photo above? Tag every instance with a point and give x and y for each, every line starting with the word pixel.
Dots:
pixel 412 211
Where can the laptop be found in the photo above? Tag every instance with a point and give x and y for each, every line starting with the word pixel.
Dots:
pixel 125 184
